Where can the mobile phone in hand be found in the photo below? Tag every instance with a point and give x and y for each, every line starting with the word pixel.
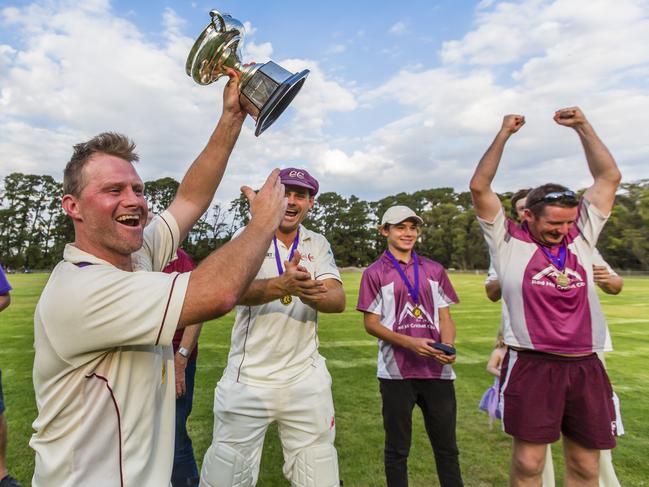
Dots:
pixel 447 349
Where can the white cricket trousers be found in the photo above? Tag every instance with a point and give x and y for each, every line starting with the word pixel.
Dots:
pixel 304 413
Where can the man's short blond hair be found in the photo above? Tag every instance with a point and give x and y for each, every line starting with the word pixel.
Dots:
pixel 111 143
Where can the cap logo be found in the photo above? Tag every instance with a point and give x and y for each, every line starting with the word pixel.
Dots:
pixel 296 174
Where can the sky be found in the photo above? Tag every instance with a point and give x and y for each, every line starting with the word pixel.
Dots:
pixel 400 96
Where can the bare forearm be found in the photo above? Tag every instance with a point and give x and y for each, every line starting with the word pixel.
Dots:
pixel 613 285
pixel 262 291
pixel 488 166
pixel 5 300
pixel 486 202
pixel 493 370
pixel 218 283
pixel 446 327
pixel 190 336
pixel 600 161
pixel 204 175
pixel 603 168
pixel 333 300
pixel 373 327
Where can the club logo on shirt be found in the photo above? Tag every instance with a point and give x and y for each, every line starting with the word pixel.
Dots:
pixel 309 256
pixel 411 319
pixel 550 276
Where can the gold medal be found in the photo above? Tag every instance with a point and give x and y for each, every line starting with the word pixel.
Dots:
pixel 416 312
pixel 286 300
pixel 563 280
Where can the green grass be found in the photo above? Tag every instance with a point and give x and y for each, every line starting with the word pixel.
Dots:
pixel 351 355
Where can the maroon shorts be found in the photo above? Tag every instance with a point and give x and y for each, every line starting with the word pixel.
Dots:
pixel 543 395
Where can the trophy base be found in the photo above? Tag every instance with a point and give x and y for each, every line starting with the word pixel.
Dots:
pixel 279 100
pixel 268 91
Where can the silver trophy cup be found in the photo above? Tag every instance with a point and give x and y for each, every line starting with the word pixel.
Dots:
pixel 266 89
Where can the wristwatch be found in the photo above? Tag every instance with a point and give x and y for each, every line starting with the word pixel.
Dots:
pixel 184 352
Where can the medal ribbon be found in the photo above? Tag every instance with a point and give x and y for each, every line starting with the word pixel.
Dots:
pixel 413 291
pixel 560 261
pixel 280 267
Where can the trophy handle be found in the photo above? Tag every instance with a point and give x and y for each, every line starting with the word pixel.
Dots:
pixel 216 16
pixel 194 50
pixel 217 47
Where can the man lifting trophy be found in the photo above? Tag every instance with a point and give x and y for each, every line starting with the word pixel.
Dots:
pixel 266 89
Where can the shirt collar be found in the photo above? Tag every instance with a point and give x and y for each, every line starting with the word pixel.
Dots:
pixel 75 255
pixel 305 234
pixel 385 258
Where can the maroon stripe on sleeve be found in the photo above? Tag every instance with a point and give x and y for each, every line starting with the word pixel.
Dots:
pixel 171 234
pixel 164 317
pixel 119 424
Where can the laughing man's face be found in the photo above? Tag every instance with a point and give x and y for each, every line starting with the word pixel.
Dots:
pixel 111 211
pixel 299 204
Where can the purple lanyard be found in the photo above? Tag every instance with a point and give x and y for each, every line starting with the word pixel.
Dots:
pixel 559 262
pixel 413 291
pixel 280 268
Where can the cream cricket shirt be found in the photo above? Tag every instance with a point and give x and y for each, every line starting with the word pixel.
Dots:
pixel 274 345
pixel 104 371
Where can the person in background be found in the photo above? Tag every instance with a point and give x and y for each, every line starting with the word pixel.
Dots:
pixel 405 300
pixel 610 283
pixel 6 480
pixel 556 325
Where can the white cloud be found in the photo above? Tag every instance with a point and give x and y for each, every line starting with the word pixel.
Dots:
pixel 81 70
pixel 336 49
pixel 528 57
pixel 398 28
pixel 258 53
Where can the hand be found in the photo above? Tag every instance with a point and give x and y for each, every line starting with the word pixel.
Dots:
pixel 601 273
pixel 231 104
pixel 422 347
pixel 269 204
pixel 570 117
pixel 180 364
pixel 512 123
pixel 296 281
pixel 608 282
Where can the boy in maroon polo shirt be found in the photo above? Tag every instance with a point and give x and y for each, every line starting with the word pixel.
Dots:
pixel 405 299
pixel 552 382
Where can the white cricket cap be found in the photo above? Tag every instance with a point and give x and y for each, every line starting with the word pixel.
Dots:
pixel 397 214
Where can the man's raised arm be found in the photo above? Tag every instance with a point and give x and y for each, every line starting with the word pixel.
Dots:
pixel 220 280
pixel 600 161
pixel 486 202
pixel 204 175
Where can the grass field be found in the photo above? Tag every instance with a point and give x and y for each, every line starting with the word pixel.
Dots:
pixel 351 358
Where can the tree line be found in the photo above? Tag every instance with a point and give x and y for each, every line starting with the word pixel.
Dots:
pixel 34 229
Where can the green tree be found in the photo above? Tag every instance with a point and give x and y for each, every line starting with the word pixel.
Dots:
pixel 160 193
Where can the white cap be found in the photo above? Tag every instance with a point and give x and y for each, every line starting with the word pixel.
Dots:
pixel 397 214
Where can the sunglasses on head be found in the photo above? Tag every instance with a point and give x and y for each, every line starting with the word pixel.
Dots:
pixel 567 196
